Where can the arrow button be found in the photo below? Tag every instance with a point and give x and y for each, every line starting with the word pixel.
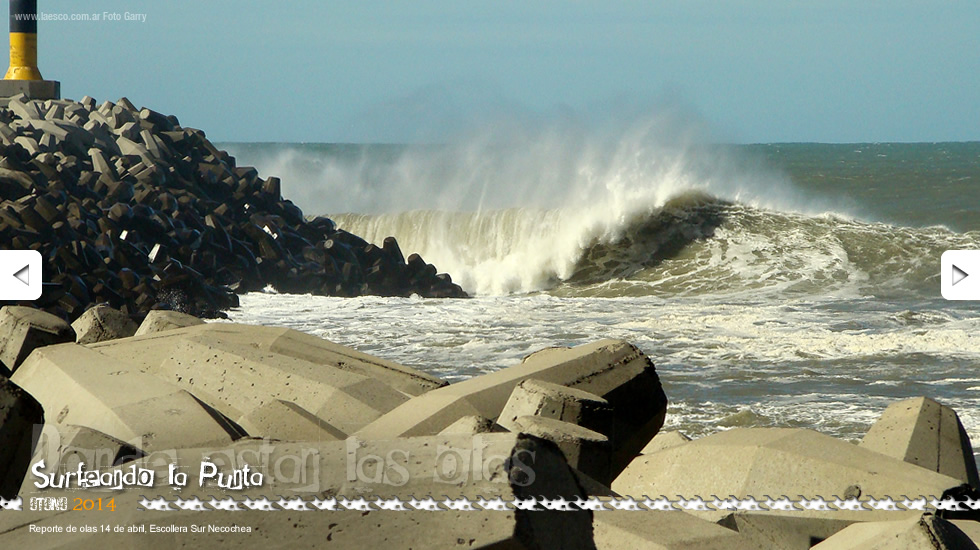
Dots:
pixel 958 274
pixel 20 275
pixel 24 275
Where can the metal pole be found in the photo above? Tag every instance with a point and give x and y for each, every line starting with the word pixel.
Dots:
pixel 23 41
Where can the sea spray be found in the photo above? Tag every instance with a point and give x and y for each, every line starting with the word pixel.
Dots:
pixel 514 209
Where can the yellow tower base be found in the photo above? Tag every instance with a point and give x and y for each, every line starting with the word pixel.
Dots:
pixel 23 57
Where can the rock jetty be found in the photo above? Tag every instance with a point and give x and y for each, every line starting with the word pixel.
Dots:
pixel 283 437
pixel 132 210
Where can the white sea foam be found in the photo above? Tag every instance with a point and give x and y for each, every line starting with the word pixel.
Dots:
pixel 791 362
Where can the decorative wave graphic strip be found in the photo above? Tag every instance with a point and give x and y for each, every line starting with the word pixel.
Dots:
pixel 595 504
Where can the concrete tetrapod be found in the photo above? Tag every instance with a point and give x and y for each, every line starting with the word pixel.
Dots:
pixel 613 370
pixel 24 329
pixel 102 323
pixel 162 320
pixel 926 433
pixel 537 398
pixel 926 532
pixel 585 450
pixel 775 462
pixel 79 386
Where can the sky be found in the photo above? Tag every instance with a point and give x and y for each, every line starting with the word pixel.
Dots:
pixel 754 71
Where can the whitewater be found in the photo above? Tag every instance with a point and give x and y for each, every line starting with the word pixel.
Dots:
pixel 771 285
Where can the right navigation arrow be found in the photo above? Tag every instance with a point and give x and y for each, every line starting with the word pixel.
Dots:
pixel 959 274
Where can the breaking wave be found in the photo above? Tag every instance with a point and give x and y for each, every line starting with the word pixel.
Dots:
pixel 581 213
pixel 693 244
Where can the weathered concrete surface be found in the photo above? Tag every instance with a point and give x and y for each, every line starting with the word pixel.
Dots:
pixel 663 531
pixel 20 416
pixel 288 421
pixel 220 365
pixel 24 329
pixel 926 532
pixel 63 446
pixel 926 433
pixel 664 440
pixel 162 320
pixel 585 450
pixel 614 370
pixel 537 398
pixel 33 89
pixel 278 343
pixel 489 472
pixel 82 387
pixel 102 323
pixel 470 425
pixel 747 462
pixel 799 529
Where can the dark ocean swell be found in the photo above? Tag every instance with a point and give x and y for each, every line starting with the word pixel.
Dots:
pixel 693 244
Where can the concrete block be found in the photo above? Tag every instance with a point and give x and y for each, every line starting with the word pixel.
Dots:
pixel 488 472
pixel 24 329
pixel 585 450
pixel 100 164
pixel 538 398
pixel 64 446
pixel 297 345
pixel 48 142
pixel 288 421
pixel 81 387
pixel 32 89
pixel 23 108
pixel 50 128
pixel 469 425
pixel 56 112
pixel 126 104
pixel 664 440
pixel 614 370
pixel 28 143
pixel 307 347
pixel 163 320
pixel 20 416
pixel 128 130
pixel 800 529
pixel 662 531
pixel 102 323
pixel 755 462
pixel 921 533
pixel 131 147
pixel 225 366
pixel 926 433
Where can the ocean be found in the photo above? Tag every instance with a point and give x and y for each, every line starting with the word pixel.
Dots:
pixel 782 285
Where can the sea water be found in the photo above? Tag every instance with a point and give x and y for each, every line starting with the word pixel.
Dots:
pixel 792 285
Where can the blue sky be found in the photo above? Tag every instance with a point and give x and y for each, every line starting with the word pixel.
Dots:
pixel 367 71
